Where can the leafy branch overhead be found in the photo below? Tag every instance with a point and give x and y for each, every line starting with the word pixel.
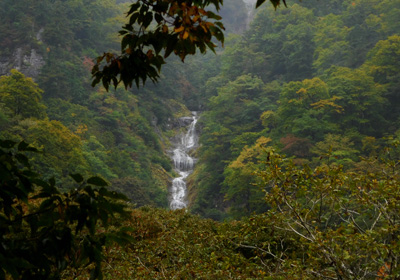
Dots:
pixel 157 28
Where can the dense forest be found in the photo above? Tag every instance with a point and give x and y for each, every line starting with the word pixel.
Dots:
pixel 306 80
pixel 297 171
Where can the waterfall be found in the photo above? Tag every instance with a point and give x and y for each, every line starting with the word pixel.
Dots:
pixel 250 6
pixel 183 162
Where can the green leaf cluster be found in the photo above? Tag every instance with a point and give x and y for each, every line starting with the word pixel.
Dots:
pixel 44 231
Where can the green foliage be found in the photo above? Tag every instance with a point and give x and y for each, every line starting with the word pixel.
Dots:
pixel 16 24
pixel 177 244
pixel 383 59
pixel 44 231
pixel 340 150
pixel 283 39
pixel 21 96
pixel 63 34
pixel 383 65
pixel 109 137
pixel 332 47
pixel 63 78
pixel 240 180
pixel 323 223
pixel 135 189
pixel 346 223
pixel 305 108
pixel 61 148
pixel 360 97
pixel 321 76
pixel 96 156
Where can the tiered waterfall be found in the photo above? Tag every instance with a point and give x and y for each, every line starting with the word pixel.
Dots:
pixel 183 162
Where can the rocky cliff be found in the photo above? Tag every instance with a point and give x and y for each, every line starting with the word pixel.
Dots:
pixel 25 59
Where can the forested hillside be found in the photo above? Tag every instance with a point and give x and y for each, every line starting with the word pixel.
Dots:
pixel 307 80
pixel 118 135
pixel 296 174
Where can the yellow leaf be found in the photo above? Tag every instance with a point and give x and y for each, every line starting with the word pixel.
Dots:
pixel 302 91
pixel 185 35
pixel 180 29
pixel 209 24
pixel 201 11
pixel 204 28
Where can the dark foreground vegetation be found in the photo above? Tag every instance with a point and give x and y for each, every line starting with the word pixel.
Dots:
pixel 321 223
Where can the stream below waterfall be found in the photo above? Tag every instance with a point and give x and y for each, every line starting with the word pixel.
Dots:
pixel 183 162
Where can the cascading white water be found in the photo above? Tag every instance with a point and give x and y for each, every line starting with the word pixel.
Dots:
pixel 184 164
pixel 250 6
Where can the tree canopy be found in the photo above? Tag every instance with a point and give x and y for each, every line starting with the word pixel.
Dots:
pixel 21 95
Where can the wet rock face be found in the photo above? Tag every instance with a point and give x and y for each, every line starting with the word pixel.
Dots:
pixel 28 63
pixel 180 122
pixel 26 60
pixel 185 121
